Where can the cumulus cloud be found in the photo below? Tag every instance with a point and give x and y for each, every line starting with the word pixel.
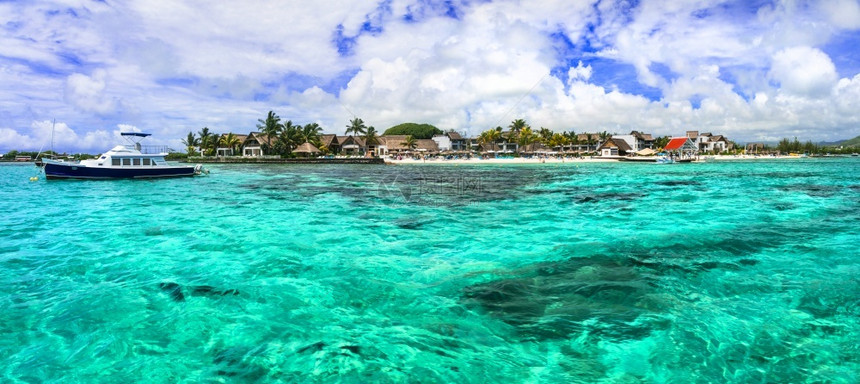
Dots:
pixel 663 67
pixel 842 13
pixel 804 71
pixel 88 92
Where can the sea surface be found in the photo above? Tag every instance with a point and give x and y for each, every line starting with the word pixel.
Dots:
pixel 725 272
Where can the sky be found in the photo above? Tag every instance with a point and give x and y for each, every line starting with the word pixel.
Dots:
pixel 750 70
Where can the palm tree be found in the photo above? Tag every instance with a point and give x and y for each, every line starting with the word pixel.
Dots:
pixel 288 138
pixel 270 127
pixel 527 137
pixel 603 137
pixel 491 136
pixel 356 127
pixel 410 142
pixel 557 140
pixel 517 126
pixel 545 133
pixel 311 133
pixel 207 142
pixel 229 141
pixel 590 140
pixel 371 137
pixel 191 143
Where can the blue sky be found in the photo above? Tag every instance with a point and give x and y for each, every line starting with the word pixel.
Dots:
pixel 751 70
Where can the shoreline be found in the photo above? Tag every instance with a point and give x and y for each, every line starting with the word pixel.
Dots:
pixel 586 160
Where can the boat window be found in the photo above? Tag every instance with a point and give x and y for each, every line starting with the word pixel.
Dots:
pixel 103 157
pixel 136 161
pixel 114 162
pixel 147 162
pixel 126 161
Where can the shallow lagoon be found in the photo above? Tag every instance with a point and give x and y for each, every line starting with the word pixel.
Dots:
pixel 742 271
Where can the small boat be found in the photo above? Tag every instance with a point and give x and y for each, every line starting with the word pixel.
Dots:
pixel 665 160
pixel 121 162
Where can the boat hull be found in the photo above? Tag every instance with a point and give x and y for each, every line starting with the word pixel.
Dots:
pixel 75 171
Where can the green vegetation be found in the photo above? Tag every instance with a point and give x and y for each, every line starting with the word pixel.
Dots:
pixel 176 156
pixel 855 142
pixel 418 131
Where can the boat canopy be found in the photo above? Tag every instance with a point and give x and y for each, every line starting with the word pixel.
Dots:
pixel 137 134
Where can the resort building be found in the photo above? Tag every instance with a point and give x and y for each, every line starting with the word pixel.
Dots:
pixel 706 142
pixel 586 142
pixel 682 146
pixel 352 145
pixel 443 142
pixel 229 151
pixel 306 150
pixel 329 142
pixel 426 146
pixel 392 144
pixel 615 147
pixel 253 144
pixel 637 140
pixel 458 142
pixel 754 148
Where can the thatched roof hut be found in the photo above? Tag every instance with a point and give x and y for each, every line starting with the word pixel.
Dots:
pixel 306 149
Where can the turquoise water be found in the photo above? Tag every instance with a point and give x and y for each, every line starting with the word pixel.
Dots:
pixel 618 273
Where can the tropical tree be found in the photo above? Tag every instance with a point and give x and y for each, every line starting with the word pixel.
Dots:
pixel 491 136
pixel 545 134
pixel 191 143
pixel 356 127
pixel 603 137
pixel 371 137
pixel 311 133
pixel 270 127
pixel 527 137
pixel 591 140
pixel 517 126
pixel 207 143
pixel 410 142
pixel 557 140
pixel 230 140
pixel 288 138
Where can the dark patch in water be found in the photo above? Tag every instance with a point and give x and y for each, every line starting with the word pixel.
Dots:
pixel 558 299
pixel 238 362
pixel 315 347
pixel 748 262
pixel 783 206
pixel 411 223
pixel 674 183
pixel 153 231
pixel 206 290
pixel 709 265
pixel 352 348
pixel 811 189
pixel 608 196
pixel 175 291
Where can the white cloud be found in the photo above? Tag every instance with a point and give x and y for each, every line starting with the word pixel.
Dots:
pixel 804 71
pixel 579 72
pixel 88 92
pixel 176 67
pixel 842 13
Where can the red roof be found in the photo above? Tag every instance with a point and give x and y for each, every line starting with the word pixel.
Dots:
pixel 675 143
